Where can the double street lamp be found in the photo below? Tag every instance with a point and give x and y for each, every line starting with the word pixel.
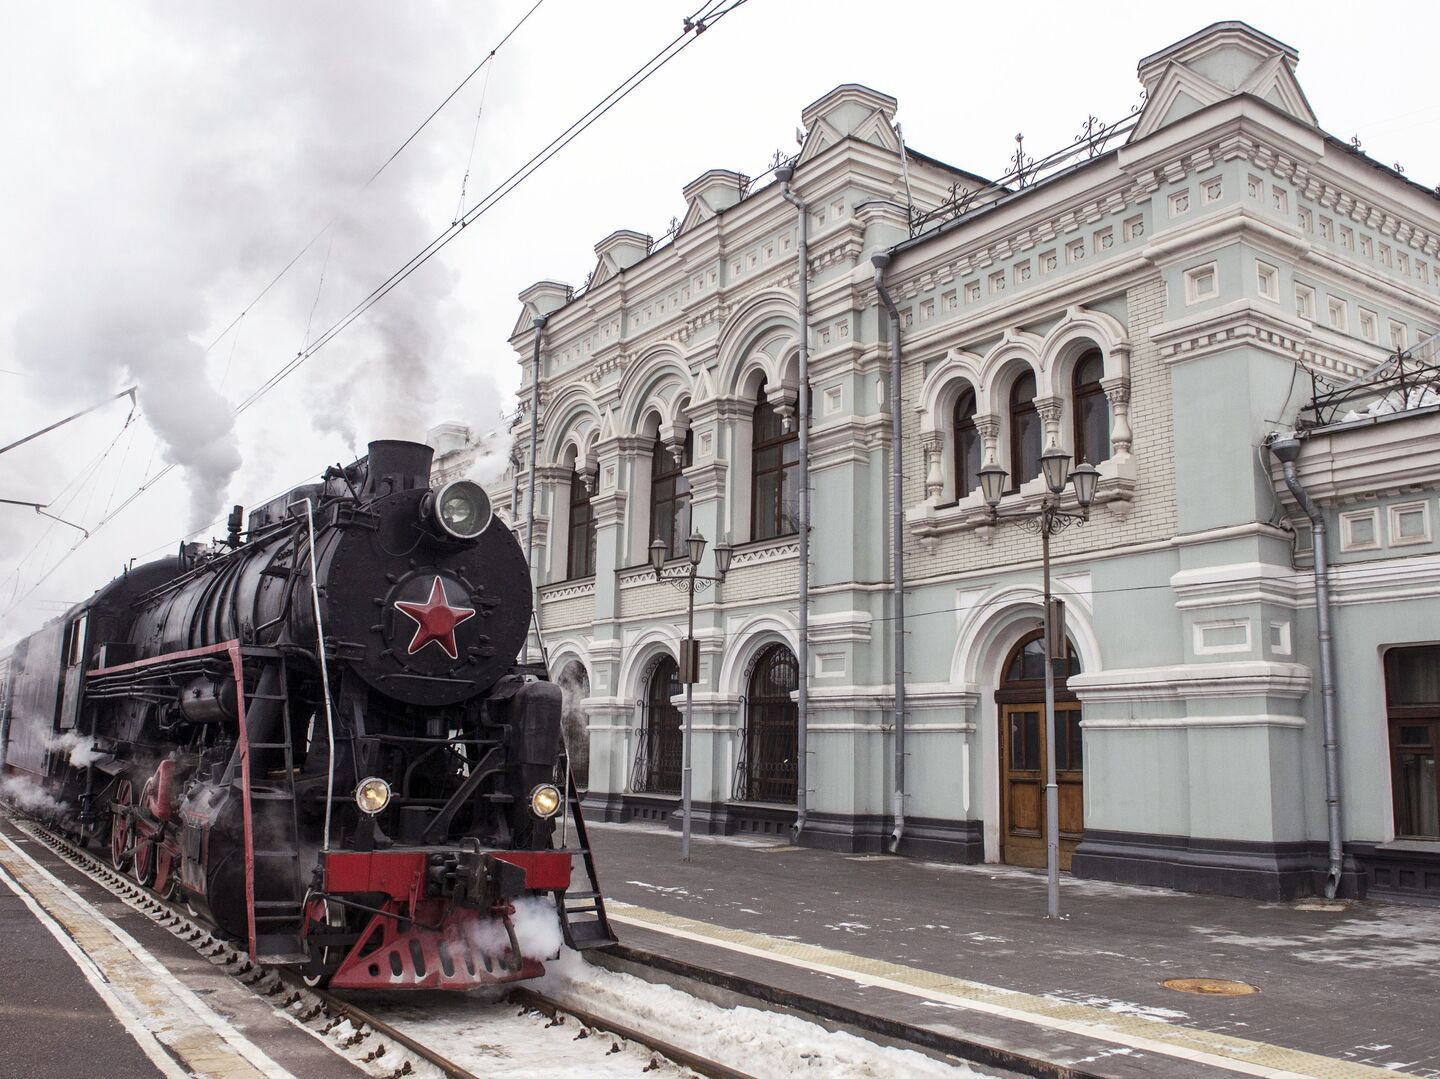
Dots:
pixel 690 582
pixel 1048 519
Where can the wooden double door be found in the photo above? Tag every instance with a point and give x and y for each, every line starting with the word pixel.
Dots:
pixel 1023 754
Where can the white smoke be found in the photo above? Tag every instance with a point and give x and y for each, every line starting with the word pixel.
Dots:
pixel 24 793
pixel 170 212
pixel 574 686
pixel 79 749
pixel 537 930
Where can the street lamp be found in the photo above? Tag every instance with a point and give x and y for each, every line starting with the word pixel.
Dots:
pixel 1047 520
pixel 689 581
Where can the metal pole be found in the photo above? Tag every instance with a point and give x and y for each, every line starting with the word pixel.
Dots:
pixel 690 662
pixel 802 753
pixel 530 494
pixel 1052 792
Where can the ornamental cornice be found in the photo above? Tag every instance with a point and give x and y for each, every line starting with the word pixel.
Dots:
pixel 1191 681
pixel 553 593
pixel 1233 325
pixel 618 362
pixel 758 554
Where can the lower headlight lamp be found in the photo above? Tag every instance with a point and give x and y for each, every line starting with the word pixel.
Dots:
pixel 372 795
pixel 545 801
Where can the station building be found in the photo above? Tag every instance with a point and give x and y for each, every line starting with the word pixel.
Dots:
pixel 1158 299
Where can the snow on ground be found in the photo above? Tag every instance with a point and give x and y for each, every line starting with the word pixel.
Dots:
pixel 762 1043
pixel 504 1039
pixel 1373 936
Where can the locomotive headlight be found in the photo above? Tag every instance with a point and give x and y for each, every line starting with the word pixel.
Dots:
pixel 373 795
pixel 462 509
pixel 545 801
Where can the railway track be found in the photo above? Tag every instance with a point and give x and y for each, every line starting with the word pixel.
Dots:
pixel 370 1040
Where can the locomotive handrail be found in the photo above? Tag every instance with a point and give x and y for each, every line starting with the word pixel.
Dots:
pixel 324 672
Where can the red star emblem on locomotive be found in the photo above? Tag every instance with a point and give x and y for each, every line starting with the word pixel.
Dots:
pixel 435 620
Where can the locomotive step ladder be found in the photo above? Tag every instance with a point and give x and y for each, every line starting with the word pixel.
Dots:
pixel 583 920
pixel 276 889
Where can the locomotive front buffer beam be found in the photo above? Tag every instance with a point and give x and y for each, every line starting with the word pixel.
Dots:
pixel 439 919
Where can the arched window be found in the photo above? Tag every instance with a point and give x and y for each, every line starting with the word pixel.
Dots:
pixel 670 497
pixel 580 554
pixel 1025 431
pixel 776 456
pixel 967 445
pixel 658 770
pixel 772 729
pixel 1092 414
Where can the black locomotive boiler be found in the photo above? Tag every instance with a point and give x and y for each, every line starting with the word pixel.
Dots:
pixel 316 733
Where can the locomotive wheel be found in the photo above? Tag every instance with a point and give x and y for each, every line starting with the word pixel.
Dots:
pixel 122 826
pixel 334 919
pixel 143 866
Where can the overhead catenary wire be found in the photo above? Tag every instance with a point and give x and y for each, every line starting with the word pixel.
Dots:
pixel 705 17
pixel 627 86
pixel 374 176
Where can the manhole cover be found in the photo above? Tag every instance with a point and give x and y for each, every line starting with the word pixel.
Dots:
pixel 1212 987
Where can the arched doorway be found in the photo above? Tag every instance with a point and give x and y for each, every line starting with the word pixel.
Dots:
pixel 772 729
pixel 1021 700
pixel 658 762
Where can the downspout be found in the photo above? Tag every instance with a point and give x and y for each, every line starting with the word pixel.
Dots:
pixel 1287 449
pixel 897 548
pixel 784 174
pixel 530 493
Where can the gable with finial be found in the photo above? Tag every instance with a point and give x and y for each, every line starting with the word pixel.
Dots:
pixel 850 111
pixel 618 251
pixel 1224 60
pixel 540 299
pixel 711 193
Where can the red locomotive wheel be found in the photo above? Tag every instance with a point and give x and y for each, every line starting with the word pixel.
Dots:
pixel 143 868
pixel 122 825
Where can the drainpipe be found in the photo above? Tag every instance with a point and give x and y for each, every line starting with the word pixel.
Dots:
pixel 1287 449
pixel 897 548
pixel 802 759
pixel 530 494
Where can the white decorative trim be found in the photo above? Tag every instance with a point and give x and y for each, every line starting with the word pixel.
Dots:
pixel 1202 283
pixel 1205 646
pixel 1389 581
pixel 1162 723
pixel 1188 682
pixel 775 551
pixel 552 593
pixel 1348 521
pixel 1238 582
pixel 1393 514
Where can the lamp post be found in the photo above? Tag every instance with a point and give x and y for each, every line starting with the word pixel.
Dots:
pixel 690 582
pixel 1047 520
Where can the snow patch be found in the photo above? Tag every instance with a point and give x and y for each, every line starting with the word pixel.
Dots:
pixel 1120 1007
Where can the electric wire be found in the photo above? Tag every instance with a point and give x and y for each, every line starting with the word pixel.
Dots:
pixel 705 17
pixel 373 177
pixel 627 86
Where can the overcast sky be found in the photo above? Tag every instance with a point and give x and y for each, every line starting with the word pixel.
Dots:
pixel 164 162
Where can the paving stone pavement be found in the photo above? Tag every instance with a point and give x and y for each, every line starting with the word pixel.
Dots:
pixel 1354 982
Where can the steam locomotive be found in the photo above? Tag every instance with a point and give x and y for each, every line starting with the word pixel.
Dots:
pixel 316 733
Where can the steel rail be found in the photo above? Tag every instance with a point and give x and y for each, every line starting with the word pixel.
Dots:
pixel 683 1057
pixel 266 981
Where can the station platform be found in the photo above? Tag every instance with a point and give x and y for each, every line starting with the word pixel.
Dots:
pixel 1340 989
pixel 91 986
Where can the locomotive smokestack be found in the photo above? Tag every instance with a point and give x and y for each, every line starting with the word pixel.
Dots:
pixel 397 466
